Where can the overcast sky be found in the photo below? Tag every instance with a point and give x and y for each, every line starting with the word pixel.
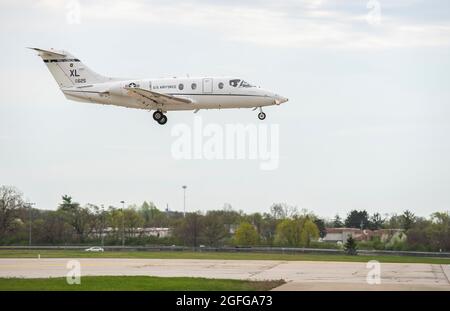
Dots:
pixel 366 126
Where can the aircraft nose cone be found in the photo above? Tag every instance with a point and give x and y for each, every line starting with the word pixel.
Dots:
pixel 280 99
pixel 283 99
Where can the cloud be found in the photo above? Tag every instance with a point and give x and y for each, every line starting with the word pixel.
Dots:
pixel 307 24
pixel 287 24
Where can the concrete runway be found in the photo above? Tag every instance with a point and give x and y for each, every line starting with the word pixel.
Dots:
pixel 300 275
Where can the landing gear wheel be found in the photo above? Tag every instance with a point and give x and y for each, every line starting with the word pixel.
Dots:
pixel 261 115
pixel 162 120
pixel 157 115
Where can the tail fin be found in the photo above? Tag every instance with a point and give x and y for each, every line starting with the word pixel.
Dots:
pixel 68 70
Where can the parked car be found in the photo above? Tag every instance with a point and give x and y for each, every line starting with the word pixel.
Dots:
pixel 94 249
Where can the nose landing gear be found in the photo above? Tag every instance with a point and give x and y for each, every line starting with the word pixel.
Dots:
pixel 261 114
pixel 159 117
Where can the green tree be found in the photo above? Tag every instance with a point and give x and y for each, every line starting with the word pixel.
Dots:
pixel 288 233
pixel 320 223
pixel 246 234
pixel 268 229
pixel 76 216
pixel 152 216
pixel 256 220
pixel 419 236
pixel 357 219
pixel 132 221
pixel 350 246
pixel 394 222
pixel 440 231
pixel 114 220
pixel 229 217
pixel 337 222
pixel 309 231
pixel 297 232
pixel 376 222
pixel 407 220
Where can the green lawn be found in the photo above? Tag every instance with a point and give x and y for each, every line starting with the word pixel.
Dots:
pixel 129 283
pixel 216 255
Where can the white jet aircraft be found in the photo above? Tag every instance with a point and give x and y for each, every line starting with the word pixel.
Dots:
pixel 79 83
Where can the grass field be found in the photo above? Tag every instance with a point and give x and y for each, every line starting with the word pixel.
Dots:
pixel 129 283
pixel 216 255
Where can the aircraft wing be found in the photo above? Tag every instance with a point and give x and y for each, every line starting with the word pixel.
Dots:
pixel 157 98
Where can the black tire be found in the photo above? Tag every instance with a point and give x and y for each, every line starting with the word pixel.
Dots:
pixel 163 120
pixel 261 115
pixel 157 115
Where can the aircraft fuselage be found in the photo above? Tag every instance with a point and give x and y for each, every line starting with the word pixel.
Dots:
pixel 204 92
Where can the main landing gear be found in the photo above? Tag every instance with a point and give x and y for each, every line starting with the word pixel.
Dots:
pixel 261 114
pixel 159 117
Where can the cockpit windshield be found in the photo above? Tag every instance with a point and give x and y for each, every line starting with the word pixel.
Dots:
pixel 245 84
pixel 234 82
pixel 239 83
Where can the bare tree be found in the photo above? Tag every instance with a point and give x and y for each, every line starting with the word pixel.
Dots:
pixel 188 229
pixel 132 221
pixel 76 216
pixel 10 201
pixel 213 229
pixel 283 210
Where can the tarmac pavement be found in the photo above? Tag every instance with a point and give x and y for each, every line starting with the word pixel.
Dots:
pixel 300 275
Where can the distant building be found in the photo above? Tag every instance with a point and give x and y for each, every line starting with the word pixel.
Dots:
pixel 136 232
pixel 342 234
pixel 155 231
pixel 232 228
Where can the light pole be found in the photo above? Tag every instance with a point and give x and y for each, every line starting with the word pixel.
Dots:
pixel 184 200
pixel 123 224
pixel 30 204
pixel 103 226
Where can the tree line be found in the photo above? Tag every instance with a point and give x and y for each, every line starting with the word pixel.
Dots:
pixel 283 225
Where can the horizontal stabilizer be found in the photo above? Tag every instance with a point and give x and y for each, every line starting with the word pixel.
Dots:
pixel 49 52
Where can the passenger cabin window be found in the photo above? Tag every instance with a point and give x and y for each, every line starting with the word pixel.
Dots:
pixel 220 85
pixel 193 86
pixel 234 82
pixel 180 86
